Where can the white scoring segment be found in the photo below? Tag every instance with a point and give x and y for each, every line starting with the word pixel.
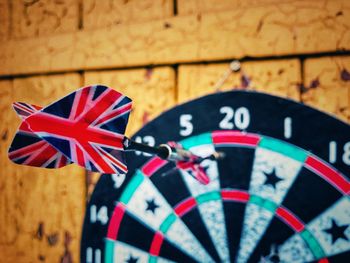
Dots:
pixel 272 176
pixel 151 208
pixel 295 250
pixel 212 211
pixel 326 235
pixel 332 228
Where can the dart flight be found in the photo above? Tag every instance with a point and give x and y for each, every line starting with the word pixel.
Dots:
pixel 87 127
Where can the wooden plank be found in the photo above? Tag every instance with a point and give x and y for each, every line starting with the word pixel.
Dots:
pixel 4 20
pixel 278 77
pixel 272 30
pixel 98 14
pixel 43 17
pixel 41 211
pixel 187 7
pixel 152 91
pixel 327 85
pixel 8 221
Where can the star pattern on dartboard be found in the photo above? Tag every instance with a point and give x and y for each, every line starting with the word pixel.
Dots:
pixel 337 231
pixel 151 205
pixel 272 179
pixel 132 259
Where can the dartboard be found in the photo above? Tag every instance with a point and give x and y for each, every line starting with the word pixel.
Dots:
pixel 280 194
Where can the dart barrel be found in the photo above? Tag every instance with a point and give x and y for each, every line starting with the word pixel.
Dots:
pixel 166 152
pixel 163 151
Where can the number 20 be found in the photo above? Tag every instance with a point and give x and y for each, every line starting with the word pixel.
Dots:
pixel 240 118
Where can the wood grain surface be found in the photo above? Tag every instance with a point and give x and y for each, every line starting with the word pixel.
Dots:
pixel 327 85
pixel 99 14
pixel 4 20
pixel 43 17
pixel 278 77
pixel 256 31
pixel 41 210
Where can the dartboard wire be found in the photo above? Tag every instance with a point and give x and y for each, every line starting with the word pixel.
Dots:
pixel 234 195
pixel 326 172
pixel 252 140
pixel 311 162
pixel 216 230
pixel 154 165
pixel 161 231
pixel 281 168
pixel 279 211
pixel 227 195
pixel 212 212
pixel 154 248
pixel 315 235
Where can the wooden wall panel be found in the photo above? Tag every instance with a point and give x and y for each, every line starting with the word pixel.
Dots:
pixel 43 17
pixel 256 31
pixel 8 221
pixel 186 7
pixel 278 77
pixel 4 20
pixel 41 210
pixel 152 91
pixel 98 14
pixel 327 85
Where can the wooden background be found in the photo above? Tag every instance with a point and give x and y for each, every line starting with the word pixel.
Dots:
pixel 174 50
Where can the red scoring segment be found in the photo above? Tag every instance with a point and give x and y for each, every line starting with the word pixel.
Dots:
pixel 116 219
pixel 153 166
pixel 156 244
pixel 328 173
pixel 290 219
pixel 323 260
pixel 235 137
pixel 185 206
pixel 235 195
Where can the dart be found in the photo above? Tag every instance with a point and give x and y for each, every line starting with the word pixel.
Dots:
pixel 87 127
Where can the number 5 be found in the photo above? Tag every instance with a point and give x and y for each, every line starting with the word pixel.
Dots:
pixel 186 125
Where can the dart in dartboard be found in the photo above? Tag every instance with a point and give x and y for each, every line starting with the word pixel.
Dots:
pixel 87 127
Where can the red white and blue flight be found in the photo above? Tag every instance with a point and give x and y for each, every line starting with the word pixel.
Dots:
pixel 87 127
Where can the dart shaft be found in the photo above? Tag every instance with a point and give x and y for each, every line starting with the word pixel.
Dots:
pixel 162 151
pixel 166 152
